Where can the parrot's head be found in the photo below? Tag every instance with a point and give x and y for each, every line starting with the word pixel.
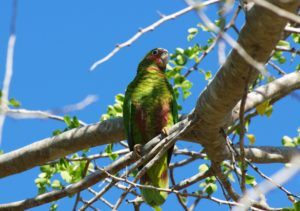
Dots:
pixel 158 56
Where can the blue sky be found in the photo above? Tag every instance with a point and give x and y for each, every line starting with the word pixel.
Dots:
pixel 58 41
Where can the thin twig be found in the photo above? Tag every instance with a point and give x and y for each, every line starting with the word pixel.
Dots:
pixel 218 172
pixel 84 172
pixel 264 187
pixel 194 205
pixel 240 50
pixel 242 132
pixel 161 148
pixel 151 28
pixel 24 113
pixel 255 168
pixel 98 195
pixel 291 29
pixel 100 155
pixel 9 67
pixel 182 162
pixel 181 202
pixel 168 190
pixel 84 202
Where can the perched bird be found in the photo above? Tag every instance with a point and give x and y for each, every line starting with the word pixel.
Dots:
pixel 150 108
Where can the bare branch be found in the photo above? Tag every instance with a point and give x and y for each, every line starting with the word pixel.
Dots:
pixel 214 108
pixel 151 149
pixel 9 67
pixel 24 113
pixel 277 88
pixel 292 50
pixel 291 29
pixel 277 10
pixel 151 28
pixel 280 177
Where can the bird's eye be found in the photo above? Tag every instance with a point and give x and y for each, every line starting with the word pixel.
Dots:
pixel 155 52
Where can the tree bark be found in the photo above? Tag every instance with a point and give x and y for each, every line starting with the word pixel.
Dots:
pixel 214 109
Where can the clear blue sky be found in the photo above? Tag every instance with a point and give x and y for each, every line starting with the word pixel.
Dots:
pixel 58 41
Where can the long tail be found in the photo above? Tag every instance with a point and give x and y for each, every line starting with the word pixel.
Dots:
pixel 156 176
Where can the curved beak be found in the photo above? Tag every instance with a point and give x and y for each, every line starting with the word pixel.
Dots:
pixel 165 57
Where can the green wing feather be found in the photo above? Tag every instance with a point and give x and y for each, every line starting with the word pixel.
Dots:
pixel 174 110
pixel 128 118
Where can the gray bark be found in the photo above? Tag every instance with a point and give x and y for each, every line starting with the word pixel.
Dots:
pixel 213 110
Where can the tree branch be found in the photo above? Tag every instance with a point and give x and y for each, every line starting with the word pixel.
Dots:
pixel 53 148
pixel 151 28
pixel 214 108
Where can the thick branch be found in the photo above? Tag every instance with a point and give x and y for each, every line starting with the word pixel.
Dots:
pixel 276 89
pixel 214 107
pixel 108 131
pixel 49 149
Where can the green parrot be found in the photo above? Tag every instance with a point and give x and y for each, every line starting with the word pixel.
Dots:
pixel 150 108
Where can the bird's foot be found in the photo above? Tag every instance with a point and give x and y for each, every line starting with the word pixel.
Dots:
pixel 137 150
pixel 165 131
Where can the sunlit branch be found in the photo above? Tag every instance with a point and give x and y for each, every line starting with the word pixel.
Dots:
pixel 151 28
pixel 9 67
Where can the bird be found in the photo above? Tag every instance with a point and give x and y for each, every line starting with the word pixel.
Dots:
pixel 150 109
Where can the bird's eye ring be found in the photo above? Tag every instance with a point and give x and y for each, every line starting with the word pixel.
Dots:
pixel 155 52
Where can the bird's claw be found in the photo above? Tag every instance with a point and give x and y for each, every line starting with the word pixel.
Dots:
pixel 137 150
pixel 165 131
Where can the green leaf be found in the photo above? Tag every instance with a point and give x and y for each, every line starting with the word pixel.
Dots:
pixel 119 98
pixel 251 138
pixel 186 85
pixel 56 184
pixel 186 94
pixel 287 141
pixel 53 207
pixel 210 41
pixel 1 152
pixel 13 102
pixel 46 169
pixel 283 43
pixel 210 188
pixel 41 181
pixel 67 120
pixel 109 148
pixel 65 175
pixel 64 164
pixel 204 28
pixel 296 37
pixel 220 23
pixel 43 175
pixel 113 156
pixel 56 132
pixel 278 56
pixel 75 123
pixel 192 33
pixel 230 176
pixel 208 75
pixel 264 108
pixel 250 180
pixel 203 168
pixel 192 30
pixel 109 151
pixel 42 190
pixel 298 68
pixel 180 59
